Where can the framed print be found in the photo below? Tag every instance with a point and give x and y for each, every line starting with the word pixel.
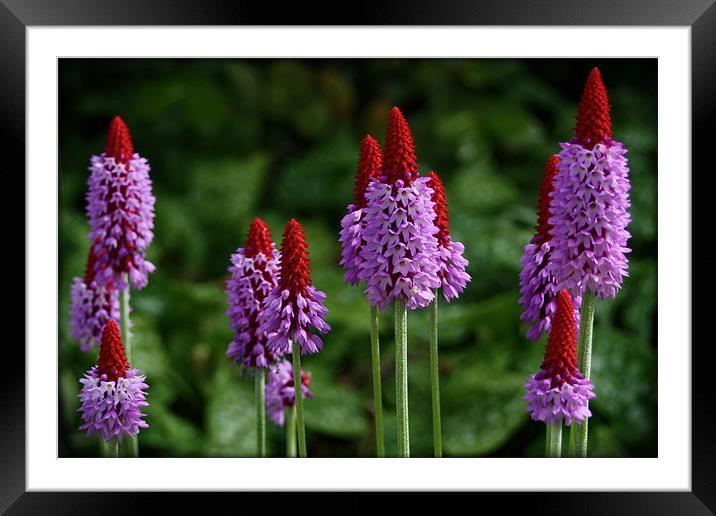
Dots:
pixel 465 233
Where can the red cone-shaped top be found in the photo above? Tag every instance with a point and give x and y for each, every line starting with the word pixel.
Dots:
pixel 442 220
pixel 543 215
pixel 295 265
pixel 369 165
pixel 119 143
pixel 258 239
pixel 399 158
pixel 594 124
pixel 112 360
pixel 560 358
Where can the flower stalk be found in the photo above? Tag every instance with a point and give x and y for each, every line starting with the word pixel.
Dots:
pixel 579 434
pixel 377 388
pixel 260 398
pixel 554 439
pixel 435 378
pixel 301 429
pixel 291 433
pixel 401 377
pixel 124 322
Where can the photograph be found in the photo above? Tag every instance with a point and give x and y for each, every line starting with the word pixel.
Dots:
pixel 453 257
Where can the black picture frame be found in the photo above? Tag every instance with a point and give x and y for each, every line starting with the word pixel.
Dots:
pixel 700 15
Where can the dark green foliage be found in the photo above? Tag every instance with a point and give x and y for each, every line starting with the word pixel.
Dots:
pixel 232 139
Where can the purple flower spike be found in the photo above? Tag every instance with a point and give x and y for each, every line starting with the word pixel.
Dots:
pixel 280 391
pixel 560 390
pixel 112 394
pixel 400 258
pixel 294 308
pixel 538 290
pixel 353 223
pixel 590 217
pixel 92 307
pixel 254 272
pixel 590 203
pixel 120 207
pixel 453 276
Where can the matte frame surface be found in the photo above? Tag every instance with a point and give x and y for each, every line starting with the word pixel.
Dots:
pixel 700 15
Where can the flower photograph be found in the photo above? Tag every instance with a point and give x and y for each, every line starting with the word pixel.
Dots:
pixel 357 258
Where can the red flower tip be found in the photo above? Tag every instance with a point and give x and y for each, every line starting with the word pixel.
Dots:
pixel 369 164
pixel 399 160
pixel 112 360
pixel 295 265
pixel 594 124
pixel 442 220
pixel 119 143
pixel 561 355
pixel 258 239
pixel 543 226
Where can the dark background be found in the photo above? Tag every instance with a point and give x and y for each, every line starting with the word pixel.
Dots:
pixel 232 139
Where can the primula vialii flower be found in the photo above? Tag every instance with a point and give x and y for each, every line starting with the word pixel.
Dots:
pixel 353 224
pixel 538 288
pixel 92 306
pixel 559 389
pixel 453 276
pixel 294 308
pixel 112 394
pixel 120 207
pixel 280 391
pixel 590 202
pixel 254 270
pixel 400 258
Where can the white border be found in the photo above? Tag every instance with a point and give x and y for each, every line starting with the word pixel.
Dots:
pixel 671 471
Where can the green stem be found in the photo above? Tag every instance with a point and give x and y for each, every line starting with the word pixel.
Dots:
pixel 377 388
pixel 291 433
pixel 435 377
pixel 401 377
pixel 578 436
pixel 554 439
pixel 110 449
pixel 260 398
pixel 133 443
pixel 299 400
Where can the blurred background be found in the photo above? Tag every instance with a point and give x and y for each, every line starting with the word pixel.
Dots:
pixel 229 140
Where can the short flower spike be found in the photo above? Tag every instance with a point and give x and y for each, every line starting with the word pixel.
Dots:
pixel 254 272
pixel 353 223
pixel 280 390
pixel 453 276
pixel 538 289
pixel 560 390
pixel 112 394
pixel 295 309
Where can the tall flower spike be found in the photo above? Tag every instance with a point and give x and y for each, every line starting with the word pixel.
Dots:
pixel 294 308
pixel 280 390
pixel 112 394
pixel 590 203
pixel 120 207
pixel 453 276
pixel 353 223
pixel 400 258
pixel 254 271
pixel 559 389
pixel 92 306
pixel 537 284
